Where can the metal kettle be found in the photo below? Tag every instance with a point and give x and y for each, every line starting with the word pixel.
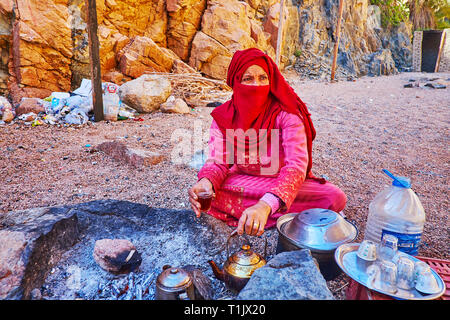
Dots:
pixel 239 267
pixel 174 284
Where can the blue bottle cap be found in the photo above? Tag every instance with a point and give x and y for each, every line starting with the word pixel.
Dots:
pixel 401 182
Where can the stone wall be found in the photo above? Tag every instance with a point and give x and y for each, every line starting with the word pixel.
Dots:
pixel 45 43
pixel 444 65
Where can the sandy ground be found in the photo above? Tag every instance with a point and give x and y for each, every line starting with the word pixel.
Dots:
pixel 362 127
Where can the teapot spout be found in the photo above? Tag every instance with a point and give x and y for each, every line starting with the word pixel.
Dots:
pixel 217 272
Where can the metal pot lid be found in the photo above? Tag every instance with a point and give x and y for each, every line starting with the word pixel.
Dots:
pixel 174 278
pixel 317 229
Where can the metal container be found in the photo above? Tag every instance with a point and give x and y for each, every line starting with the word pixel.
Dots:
pixel 239 267
pixel 174 284
pixel 319 230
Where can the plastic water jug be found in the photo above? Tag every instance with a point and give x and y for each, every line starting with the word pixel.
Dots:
pixel 396 210
pixel 111 103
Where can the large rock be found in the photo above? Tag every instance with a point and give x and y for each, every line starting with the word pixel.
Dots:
pixel 30 105
pixel 228 22
pixel 209 56
pixel 42 44
pixel 142 54
pixel 6 110
pixel 146 93
pixel 288 276
pixel 381 63
pixel 134 157
pixel 31 243
pixel 290 30
pixel 134 18
pixel 175 105
pixel 116 255
pixel 184 20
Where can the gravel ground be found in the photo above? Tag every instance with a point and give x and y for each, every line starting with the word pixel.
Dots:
pixel 362 127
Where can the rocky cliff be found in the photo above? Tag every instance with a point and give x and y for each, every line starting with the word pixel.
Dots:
pixel 44 43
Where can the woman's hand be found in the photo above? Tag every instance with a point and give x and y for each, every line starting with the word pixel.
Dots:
pixel 202 185
pixel 253 219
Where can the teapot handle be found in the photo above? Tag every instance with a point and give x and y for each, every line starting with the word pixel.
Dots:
pixel 232 234
pixel 235 233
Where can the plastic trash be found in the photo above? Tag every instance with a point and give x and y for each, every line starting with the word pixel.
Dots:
pixel 57 105
pixel 75 101
pixel 85 88
pixel 398 211
pixel 27 117
pixel 50 119
pixel 111 102
pixel 76 116
pixel 36 122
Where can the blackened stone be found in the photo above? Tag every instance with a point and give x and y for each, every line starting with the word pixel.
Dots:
pixel 31 243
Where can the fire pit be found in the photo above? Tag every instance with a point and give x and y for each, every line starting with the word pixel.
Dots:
pixel 55 246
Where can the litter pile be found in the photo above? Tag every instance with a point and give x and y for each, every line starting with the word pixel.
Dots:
pixel 76 108
pixel 66 108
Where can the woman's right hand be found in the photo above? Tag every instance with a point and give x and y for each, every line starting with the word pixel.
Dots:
pixel 202 185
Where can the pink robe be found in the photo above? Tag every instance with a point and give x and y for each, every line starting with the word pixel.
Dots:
pixel 239 186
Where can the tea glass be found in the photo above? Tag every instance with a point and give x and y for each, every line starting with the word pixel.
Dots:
pixel 388 276
pixel 426 282
pixel 387 247
pixel 405 273
pixel 204 198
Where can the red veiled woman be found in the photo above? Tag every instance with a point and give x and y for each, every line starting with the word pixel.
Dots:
pixel 260 151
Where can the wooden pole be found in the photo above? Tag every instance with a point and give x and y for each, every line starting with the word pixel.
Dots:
pixel 280 33
pixel 441 46
pixel 94 58
pixel 338 35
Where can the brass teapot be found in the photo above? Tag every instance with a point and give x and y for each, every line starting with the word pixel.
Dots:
pixel 239 267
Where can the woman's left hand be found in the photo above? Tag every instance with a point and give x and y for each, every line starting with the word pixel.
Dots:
pixel 253 219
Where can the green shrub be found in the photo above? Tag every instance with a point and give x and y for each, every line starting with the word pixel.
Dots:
pixel 392 11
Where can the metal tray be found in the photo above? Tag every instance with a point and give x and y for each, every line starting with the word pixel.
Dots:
pixel 345 256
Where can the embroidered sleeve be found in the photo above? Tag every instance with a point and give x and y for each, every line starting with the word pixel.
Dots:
pixel 215 168
pixel 292 174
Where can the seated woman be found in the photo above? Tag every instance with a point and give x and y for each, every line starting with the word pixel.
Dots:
pixel 259 164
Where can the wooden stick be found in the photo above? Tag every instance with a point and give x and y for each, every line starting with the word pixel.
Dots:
pixel 280 33
pixel 441 46
pixel 338 35
pixel 94 58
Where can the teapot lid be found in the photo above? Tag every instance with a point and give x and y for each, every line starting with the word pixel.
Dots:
pixel 173 277
pixel 246 257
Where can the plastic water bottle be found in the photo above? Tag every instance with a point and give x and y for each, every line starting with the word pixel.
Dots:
pixel 111 103
pixel 396 210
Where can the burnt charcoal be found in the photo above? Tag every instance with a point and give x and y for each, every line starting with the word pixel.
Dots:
pixel 124 263
pixel 435 85
pixel 214 104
